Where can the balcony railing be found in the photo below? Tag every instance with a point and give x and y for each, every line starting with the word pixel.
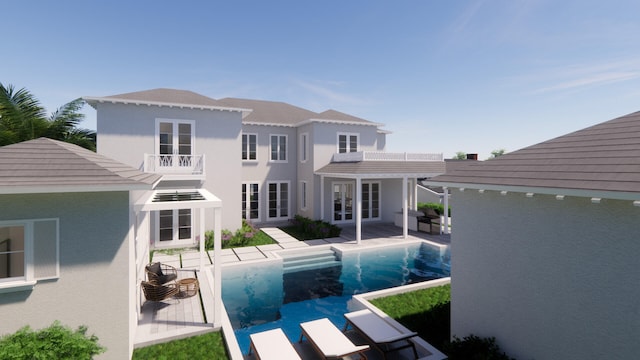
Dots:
pixel 180 165
pixel 385 156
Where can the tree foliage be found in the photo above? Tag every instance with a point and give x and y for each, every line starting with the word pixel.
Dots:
pixel 22 118
pixel 460 155
pixel 54 342
pixel 496 153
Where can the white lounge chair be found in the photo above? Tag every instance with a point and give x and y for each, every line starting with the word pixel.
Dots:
pixel 385 337
pixel 327 339
pixel 272 345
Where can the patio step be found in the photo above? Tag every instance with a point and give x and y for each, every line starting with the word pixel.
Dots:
pixel 308 260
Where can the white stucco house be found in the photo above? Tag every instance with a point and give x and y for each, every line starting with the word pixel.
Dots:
pixel 547 245
pixel 266 161
pixel 67 241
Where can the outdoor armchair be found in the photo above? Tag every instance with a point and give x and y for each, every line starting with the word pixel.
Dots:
pixel 158 292
pixel 161 273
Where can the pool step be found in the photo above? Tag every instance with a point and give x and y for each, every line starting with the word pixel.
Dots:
pixel 308 260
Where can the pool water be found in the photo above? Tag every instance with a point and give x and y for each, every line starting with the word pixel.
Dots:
pixel 262 296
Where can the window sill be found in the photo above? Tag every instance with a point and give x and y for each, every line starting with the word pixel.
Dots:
pixel 15 286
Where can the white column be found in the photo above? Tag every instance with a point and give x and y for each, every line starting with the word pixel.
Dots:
pixel 358 210
pixel 414 183
pixel 405 210
pixel 217 267
pixel 446 210
pixel 202 238
pixel 322 197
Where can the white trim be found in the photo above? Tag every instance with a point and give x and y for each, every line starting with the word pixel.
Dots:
pixel 303 195
pixel 278 200
pixel 70 188
pixel 29 279
pixel 247 210
pixel 342 202
pixel 303 145
pixel 286 146
pixel 348 135
pixel 249 146
pixel 175 142
pixel 310 121
pixel 370 183
pixel 95 99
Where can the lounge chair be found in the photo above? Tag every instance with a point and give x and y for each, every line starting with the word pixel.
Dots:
pixel 272 345
pixel 327 339
pixel 385 337
pixel 157 292
pixel 161 273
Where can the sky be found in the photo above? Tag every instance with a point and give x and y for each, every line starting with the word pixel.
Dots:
pixel 444 76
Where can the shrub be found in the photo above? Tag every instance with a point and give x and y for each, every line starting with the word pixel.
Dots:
pixel 54 342
pixel 473 347
pixel 247 235
pixel 306 229
pixel 439 208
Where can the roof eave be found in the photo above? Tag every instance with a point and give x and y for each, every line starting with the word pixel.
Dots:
pixel 5 190
pixel 94 100
pixel 587 193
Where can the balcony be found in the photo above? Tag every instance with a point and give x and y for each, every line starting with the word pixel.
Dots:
pixel 175 167
pixel 385 156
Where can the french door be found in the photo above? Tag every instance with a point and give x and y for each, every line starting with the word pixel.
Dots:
pixel 278 200
pixel 251 201
pixel 175 143
pixel 343 202
pixel 370 200
pixel 175 227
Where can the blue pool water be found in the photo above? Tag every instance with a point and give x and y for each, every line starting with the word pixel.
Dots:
pixel 261 296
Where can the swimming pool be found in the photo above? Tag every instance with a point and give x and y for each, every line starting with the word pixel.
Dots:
pixel 267 295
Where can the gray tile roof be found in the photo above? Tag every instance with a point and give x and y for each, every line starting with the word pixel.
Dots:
pixel 604 157
pixel 172 96
pixel 384 169
pixel 271 112
pixel 45 165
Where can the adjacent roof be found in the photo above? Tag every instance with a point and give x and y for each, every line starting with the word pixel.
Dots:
pixel 44 165
pixel 602 159
pixel 166 97
pixel 383 169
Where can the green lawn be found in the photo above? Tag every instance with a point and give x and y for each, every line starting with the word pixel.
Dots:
pixel 425 311
pixel 207 346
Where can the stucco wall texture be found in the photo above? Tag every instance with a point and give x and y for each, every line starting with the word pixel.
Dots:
pixel 550 279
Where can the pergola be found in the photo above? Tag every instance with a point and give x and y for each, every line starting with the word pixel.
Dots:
pixel 361 170
pixel 199 200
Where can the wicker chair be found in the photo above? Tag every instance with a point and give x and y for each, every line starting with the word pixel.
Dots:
pixel 161 273
pixel 157 292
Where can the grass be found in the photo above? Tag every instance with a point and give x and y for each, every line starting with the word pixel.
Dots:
pixel 426 311
pixel 207 346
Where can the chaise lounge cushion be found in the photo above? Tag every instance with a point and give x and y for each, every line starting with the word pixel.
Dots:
pixel 155 273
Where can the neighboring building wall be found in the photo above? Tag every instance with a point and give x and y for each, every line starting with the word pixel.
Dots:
pixel 550 279
pixel 127 132
pixel 92 289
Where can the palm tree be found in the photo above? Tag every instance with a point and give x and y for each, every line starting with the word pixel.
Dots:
pixel 23 118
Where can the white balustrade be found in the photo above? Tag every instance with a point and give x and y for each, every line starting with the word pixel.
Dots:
pixel 174 164
pixel 386 156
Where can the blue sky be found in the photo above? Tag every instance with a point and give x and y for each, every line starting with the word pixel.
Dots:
pixel 443 75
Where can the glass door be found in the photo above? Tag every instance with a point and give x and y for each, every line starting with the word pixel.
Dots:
pixel 175 144
pixel 174 227
pixel 343 202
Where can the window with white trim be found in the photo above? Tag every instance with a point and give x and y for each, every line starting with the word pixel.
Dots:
pixel 348 142
pixel 279 148
pixel 370 200
pixel 303 195
pixel 28 252
pixel 278 200
pixel 250 201
pixel 304 147
pixel 249 146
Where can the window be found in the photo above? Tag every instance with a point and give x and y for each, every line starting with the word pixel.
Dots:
pixel 175 143
pixel 304 146
pixel 348 142
pixel 28 252
pixel 174 227
pixel 249 146
pixel 278 200
pixel 279 148
pixel 303 195
pixel 250 201
pixel 370 200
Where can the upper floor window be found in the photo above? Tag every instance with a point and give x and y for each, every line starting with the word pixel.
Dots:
pixel 304 146
pixel 249 146
pixel 278 147
pixel 28 252
pixel 348 142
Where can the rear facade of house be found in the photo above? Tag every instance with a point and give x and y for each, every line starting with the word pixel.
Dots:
pixel 263 159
